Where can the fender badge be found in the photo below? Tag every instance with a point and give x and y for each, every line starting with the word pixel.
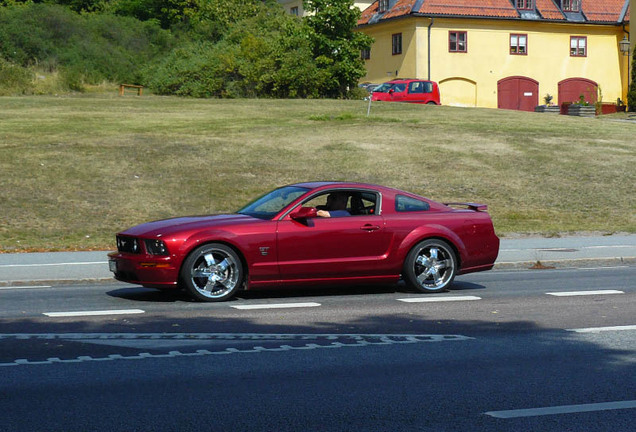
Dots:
pixel 264 250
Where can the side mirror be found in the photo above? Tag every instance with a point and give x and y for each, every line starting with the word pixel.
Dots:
pixel 304 213
pixel 391 91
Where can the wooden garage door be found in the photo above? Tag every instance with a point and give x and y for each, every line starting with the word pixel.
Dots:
pixel 517 93
pixel 571 89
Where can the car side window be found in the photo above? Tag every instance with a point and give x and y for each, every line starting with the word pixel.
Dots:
pixel 399 88
pixel 428 87
pixel 358 202
pixel 405 204
pixel 416 87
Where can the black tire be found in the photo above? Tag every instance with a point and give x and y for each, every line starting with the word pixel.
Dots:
pixel 430 266
pixel 212 272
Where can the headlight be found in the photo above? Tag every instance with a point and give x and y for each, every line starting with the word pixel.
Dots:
pixel 128 245
pixel 156 247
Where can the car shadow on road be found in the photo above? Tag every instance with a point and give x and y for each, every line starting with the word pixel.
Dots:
pixel 141 294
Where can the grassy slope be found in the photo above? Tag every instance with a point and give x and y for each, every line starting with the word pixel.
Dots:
pixel 74 170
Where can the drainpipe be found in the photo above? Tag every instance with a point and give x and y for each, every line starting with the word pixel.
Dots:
pixel 429 47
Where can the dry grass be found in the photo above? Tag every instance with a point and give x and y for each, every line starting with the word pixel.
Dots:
pixel 74 170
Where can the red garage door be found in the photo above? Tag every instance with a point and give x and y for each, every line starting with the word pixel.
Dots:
pixel 517 93
pixel 571 89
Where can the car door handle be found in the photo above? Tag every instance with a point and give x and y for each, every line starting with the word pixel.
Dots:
pixel 369 227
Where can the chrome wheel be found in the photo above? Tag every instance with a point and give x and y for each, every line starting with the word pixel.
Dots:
pixel 212 273
pixel 430 266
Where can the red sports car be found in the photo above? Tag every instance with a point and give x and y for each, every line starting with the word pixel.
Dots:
pixel 311 233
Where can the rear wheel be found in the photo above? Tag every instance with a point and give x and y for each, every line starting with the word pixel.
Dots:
pixel 430 266
pixel 213 272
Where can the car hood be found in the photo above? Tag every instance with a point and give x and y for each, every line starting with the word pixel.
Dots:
pixel 168 227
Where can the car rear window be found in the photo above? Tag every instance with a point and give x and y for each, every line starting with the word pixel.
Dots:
pixel 407 204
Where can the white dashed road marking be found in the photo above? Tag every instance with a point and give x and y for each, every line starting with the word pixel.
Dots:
pixel 584 293
pixel 93 313
pixel 565 409
pixel 603 329
pixel 24 287
pixel 276 306
pixel 438 299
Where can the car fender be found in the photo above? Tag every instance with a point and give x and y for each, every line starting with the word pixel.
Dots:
pixel 211 236
pixel 432 231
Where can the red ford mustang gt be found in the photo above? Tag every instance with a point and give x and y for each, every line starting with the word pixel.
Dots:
pixel 311 233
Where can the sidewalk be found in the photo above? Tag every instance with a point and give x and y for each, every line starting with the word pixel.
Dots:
pixel 567 252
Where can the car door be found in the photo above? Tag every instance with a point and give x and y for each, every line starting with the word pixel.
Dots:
pixel 398 92
pixel 338 247
pixel 415 92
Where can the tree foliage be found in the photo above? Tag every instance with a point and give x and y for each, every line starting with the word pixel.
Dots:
pixel 200 48
pixel 336 46
pixel 631 93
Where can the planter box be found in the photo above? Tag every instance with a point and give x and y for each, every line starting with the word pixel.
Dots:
pixel 610 108
pixel 582 110
pixel 549 109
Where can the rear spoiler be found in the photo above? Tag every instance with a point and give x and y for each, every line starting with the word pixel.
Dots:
pixel 472 206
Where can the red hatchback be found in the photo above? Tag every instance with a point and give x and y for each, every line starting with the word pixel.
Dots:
pixel 311 233
pixel 408 90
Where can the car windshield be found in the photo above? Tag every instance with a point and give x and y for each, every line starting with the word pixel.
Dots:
pixel 270 204
pixel 383 88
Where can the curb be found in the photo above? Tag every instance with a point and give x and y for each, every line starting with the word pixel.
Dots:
pixel 566 264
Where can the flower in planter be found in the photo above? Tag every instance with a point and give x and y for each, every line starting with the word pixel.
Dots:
pixel 548 99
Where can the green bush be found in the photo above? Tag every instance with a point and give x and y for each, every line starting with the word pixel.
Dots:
pixel 14 79
pixel 631 94
pixel 263 56
pixel 90 47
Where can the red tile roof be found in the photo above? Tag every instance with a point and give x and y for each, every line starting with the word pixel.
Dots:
pixel 605 11
pixel 602 10
pixel 548 10
pixel 483 8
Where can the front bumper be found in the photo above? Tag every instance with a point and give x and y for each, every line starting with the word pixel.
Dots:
pixel 151 271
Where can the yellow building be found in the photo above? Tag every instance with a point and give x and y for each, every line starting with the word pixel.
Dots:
pixel 502 53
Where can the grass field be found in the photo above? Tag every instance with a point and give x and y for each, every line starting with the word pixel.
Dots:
pixel 76 169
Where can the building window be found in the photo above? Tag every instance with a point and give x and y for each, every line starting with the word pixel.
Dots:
pixel 525 4
pixel 294 10
pixel 578 46
pixel 571 5
pixel 396 45
pixel 519 44
pixel 365 53
pixel 383 5
pixel 457 41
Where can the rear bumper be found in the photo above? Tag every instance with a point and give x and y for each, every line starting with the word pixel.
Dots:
pixel 148 270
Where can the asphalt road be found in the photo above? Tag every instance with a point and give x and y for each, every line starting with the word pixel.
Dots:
pixel 550 350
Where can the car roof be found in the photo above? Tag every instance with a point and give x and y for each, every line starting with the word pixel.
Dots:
pixel 351 185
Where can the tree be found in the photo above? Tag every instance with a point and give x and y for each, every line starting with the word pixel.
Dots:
pixel 631 91
pixel 335 43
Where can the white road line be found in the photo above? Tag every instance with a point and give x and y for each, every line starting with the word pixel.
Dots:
pixel 93 313
pixel 565 409
pixel 603 329
pixel 53 264
pixel 276 306
pixel 438 299
pixel 584 293
pixel 24 287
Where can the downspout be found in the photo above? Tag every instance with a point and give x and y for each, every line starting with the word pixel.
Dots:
pixel 429 47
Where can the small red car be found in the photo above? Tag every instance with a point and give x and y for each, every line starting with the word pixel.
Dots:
pixel 377 235
pixel 407 90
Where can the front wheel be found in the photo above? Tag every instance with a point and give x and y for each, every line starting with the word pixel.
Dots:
pixel 213 272
pixel 430 266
